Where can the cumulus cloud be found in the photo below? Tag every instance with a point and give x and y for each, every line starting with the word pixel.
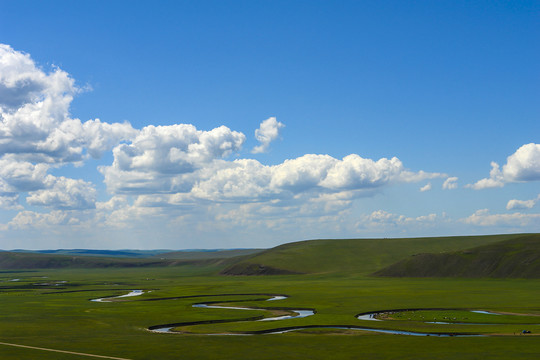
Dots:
pixel 381 220
pixel 99 137
pixel 22 83
pixel 450 183
pixel 267 132
pixel 162 159
pixel 522 204
pixel 524 164
pixel 18 176
pixel 426 187
pixel 302 173
pixel 176 169
pixel 356 172
pixel 10 201
pixel 114 203
pixel 176 149
pixel 170 166
pixel 35 124
pixel 413 176
pixel 38 134
pixel 249 180
pixel 129 216
pixel 495 179
pixel 484 218
pixel 32 219
pixel 65 194
pixel 242 180
pixel 521 166
pixel 285 215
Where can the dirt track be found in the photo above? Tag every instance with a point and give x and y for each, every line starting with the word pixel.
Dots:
pixel 63 351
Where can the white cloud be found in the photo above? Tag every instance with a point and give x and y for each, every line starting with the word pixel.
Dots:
pixel 65 194
pixel 241 180
pixel 248 180
pixel 524 164
pixel 267 132
pixel 18 176
pixel 382 222
pixel 31 219
pixel 100 136
pixel 182 175
pixel 10 201
pixel 181 159
pixel 75 213
pixel 114 203
pixel 355 172
pixel 163 159
pixel 35 124
pixel 484 218
pixel 302 173
pixel 522 204
pixel 410 176
pixel 521 166
pixel 244 194
pixel 450 183
pixel 495 179
pixel 130 216
pixel 302 217
pixel 22 83
pixel 37 134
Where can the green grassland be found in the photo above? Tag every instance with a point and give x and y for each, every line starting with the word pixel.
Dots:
pixel 516 257
pixel 357 256
pixel 51 308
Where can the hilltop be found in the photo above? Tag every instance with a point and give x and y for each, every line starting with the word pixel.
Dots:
pixel 350 256
pixel 513 258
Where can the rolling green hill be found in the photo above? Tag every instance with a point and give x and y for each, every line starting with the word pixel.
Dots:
pixel 351 256
pixel 514 258
pixel 18 260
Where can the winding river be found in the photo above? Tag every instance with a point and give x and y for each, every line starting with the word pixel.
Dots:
pixel 293 314
pixel 111 298
pixel 374 316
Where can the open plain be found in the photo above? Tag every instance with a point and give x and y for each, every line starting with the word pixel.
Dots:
pixel 51 309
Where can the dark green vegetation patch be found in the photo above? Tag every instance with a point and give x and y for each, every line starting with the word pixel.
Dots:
pixel 518 257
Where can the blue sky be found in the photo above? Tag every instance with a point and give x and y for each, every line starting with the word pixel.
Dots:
pixel 253 123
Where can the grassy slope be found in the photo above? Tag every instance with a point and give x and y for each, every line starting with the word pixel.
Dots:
pixel 354 256
pixel 516 258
